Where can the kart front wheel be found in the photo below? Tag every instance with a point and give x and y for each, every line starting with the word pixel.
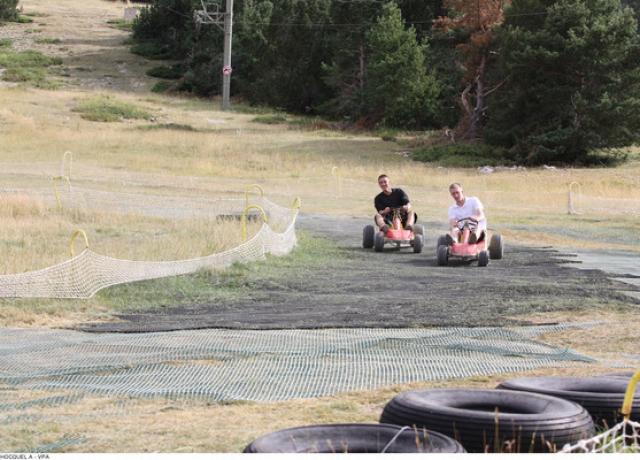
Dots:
pixel 419 230
pixel 378 241
pixel 495 246
pixel 443 255
pixel 418 244
pixel 367 236
pixel 483 259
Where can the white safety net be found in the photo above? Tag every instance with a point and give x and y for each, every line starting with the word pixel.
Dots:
pixel 622 438
pixel 88 272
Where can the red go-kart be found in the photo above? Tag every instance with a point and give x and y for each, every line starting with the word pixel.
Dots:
pixel 396 235
pixel 482 250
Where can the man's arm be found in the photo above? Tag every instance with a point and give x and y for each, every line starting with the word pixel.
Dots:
pixel 478 211
pixel 404 199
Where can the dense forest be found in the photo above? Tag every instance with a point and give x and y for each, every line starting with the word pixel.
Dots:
pixel 541 81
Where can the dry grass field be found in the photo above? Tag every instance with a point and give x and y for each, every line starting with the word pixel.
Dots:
pixel 189 148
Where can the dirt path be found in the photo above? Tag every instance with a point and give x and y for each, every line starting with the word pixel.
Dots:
pixel 361 288
pixel 93 51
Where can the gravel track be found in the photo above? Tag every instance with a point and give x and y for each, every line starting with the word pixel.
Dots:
pixel 396 289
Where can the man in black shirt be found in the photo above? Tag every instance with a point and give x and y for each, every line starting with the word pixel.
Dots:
pixel 389 199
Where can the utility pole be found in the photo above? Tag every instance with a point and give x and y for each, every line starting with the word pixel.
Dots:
pixel 227 69
pixel 211 15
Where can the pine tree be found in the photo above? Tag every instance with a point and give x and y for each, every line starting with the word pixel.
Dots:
pixel 398 89
pixel 573 80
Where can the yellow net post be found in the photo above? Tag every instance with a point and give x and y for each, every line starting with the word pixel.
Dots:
pixel 74 235
pixel 54 181
pixel 244 218
pixel 335 172
pixel 296 205
pixel 628 396
pixel 248 189
pixel 570 204
pixel 66 155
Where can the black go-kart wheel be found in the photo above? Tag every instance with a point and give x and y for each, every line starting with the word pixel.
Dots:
pixel 367 236
pixel 378 241
pixel 418 230
pixel 443 255
pixel 496 247
pixel 442 241
pixel 483 258
pixel 418 244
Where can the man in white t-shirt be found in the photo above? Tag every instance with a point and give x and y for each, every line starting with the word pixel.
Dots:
pixel 465 207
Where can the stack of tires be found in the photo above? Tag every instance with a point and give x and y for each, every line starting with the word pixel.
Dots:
pixel 601 396
pixel 531 414
pixel 493 420
pixel 354 438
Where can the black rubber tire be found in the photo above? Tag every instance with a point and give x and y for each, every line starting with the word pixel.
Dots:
pixel 601 396
pixel 353 438
pixel 418 230
pixel 443 255
pixel 496 248
pixel 378 242
pixel 529 422
pixel 418 243
pixel 368 234
pixel 483 259
pixel 442 241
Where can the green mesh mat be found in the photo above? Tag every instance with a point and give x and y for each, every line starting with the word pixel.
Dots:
pixel 273 365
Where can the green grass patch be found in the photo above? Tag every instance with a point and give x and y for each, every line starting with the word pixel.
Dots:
pixel 161 87
pixel 235 283
pixel 271 119
pixel 121 24
pixel 167 72
pixel 48 41
pixel 33 31
pixel 463 155
pixel 109 109
pixel 169 126
pixel 23 20
pixel 387 134
pixel 36 14
pixel 27 67
pixel 310 123
pixel 5 42
pixel 151 50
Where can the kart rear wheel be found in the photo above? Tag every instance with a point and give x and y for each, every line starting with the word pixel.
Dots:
pixel 378 241
pixel 483 259
pixel 419 230
pixel 442 241
pixel 495 246
pixel 367 236
pixel 443 255
pixel 418 244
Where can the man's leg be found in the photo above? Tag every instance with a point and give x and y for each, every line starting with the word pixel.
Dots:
pixel 380 222
pixel 453 236
pixel 409 220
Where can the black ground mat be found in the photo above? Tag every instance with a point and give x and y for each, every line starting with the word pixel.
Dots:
pixel 391 289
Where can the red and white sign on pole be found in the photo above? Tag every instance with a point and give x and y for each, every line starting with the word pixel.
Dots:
pixel 226 70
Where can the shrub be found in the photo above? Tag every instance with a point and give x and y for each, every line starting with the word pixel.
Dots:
pixel 26 66
pixel 270 119
pixel 151 50
pixel 8 10
pixel 161 87
pixel 107 109
pixel 464 155
pixel 170 73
